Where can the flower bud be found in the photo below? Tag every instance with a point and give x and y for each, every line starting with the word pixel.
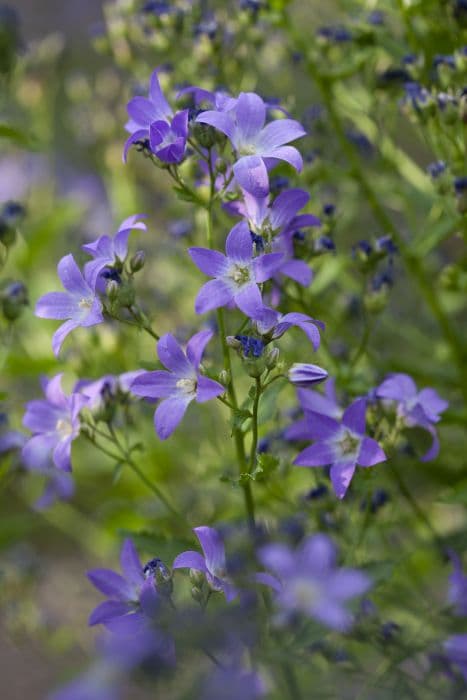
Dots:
pixel 233 342
pixel 304 375
pixel 271 357
pixel 197 578
pixel 112 291
pixel 204 134
pixel 225 377
pixel 13 297
pixel 137 261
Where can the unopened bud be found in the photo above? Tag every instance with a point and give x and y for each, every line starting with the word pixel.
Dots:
pixel 112 291
pixel 13 297
pixel 233 342
pixel 137 261
pixel 304 375
pixel 197 578
pixel 204 134
pixel 271 357
pixel 224 377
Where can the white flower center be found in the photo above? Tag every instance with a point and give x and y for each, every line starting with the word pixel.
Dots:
pixel 239 275
pixel 247 149
pixel 64 427
pixel 305 593
pixel 85 304
pixel 348 444
pixel 186 386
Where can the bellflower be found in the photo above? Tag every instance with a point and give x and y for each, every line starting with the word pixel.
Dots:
pixel 314 402
pixel 180 384
pixel 277 223
pixel 342 445
pixel 131 594
pixel 237 274
pixel 257 146
pixel 308 581
pixel 212 564
pixel 79 305
pixel 151 120
pixel 455 648
pixel 414 407
pixel 54 422
pixel 107 387
pixel 109 251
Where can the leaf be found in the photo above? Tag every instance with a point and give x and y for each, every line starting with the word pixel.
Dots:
pixel 239 416
pixel 187 195
pixel 266 464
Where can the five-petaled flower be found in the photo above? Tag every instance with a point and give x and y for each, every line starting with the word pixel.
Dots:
pixel 307 580
pixel 257 146
pixel 78 306
pixel 131 594
pixel 212 564
pixel 237 274
pixel 54 422
pixel 414 407
pixel 342 445
pixel 180 385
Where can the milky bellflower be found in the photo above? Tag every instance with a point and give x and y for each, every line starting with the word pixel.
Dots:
pixel 125 593
pixel 257 146
pixel 277 223
pixel 414 407
pixel 237 274
pixel 308 581
pixel 54 422
pixel 109 251
pixel 152 121
pixel 180 385
pixel 212 564
pixel 79 304
pixel 342 445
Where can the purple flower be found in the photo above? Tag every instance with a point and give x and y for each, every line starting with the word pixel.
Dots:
pixel 79 303
pixel 237 274
pixel 257 146
pixel 309 581
pixel 108 251
pixel 107 387
pixel 59 486
pixel 456 652
pixel 342 445
pixel 232 682
pixel 274 324
pixel 414 407
pixel 54 422
pixel 131 594
pixel 212 564
pixel 457 594
pixel 180 385
pixel 314 402
pixel 151 121
pixel 303 374
pixel 11 440
pixel 219 100
pixel 277 224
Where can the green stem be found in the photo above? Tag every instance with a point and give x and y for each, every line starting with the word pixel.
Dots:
pixel 254 425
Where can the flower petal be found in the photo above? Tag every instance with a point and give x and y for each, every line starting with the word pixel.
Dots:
pixel 318 455
pixel 297 270
pixel 251 115
pixel 287 153
pixel 222 121
pixel 354 416
pixel 398 387
pixel 111 584
pixel 370 453
pixel 58 305
pixel 239 244
pixel 212 295
pixel 196 345
pixel 158 384
pixel 279 132
pixel 208 389
pixel 108 610
pixel 131 564
pixel 172 356
pixel 213 548
pixel 341 476
pixel 248 299
pixel 71 277
pixel 61 333
pixel 169 413
pixel 286 205
pixel 265 266
pixel 211 262
pixel 252 175
pixel 190 560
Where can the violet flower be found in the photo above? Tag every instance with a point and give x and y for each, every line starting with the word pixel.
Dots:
pixel 342 445
pixel 455 648
pixel 457 594
pixel 414 407
pixel 180 385
pixel 257 146
pixel 59 486
pixel 109 251
pixel 277 224
pixel 212 564
pixel 307 580
pixel 79 304
pixel 151 121
pixel 131 594
pixel 54 422
pixel 274 324
pixel 314 402
pixel 237 274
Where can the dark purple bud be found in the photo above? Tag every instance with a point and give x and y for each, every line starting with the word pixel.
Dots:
pixel 13 298
pixel 318 492
pixel 436 169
